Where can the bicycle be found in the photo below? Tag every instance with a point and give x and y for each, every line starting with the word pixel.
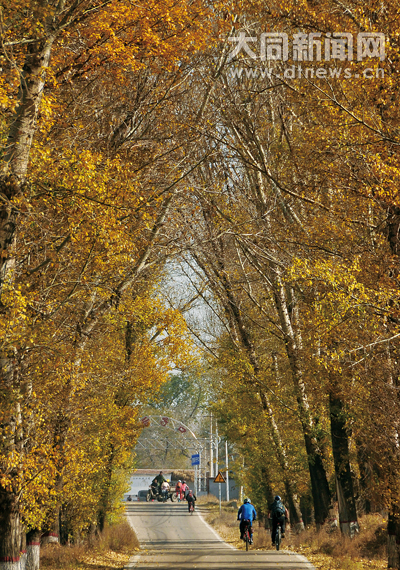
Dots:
pixel 191 507
pixel 278 536
pixel 247 534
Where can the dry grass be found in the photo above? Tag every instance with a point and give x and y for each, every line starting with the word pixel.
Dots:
pixel 326 550
pixel 118 538
pixel 112 549
pixel 332 551
pixel 182 475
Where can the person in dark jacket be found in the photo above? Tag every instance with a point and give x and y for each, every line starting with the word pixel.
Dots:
pixel 278 513
pixel 246 513
pixel 191 498
pixel 159 480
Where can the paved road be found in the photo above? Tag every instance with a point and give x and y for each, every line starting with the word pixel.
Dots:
pixel 171 539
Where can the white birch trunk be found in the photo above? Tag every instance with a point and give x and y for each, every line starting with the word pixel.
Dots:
pixel 33 551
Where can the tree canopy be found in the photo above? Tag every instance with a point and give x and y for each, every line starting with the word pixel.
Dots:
pixel 136 134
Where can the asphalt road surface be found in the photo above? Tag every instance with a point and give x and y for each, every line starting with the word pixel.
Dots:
pixel 172 539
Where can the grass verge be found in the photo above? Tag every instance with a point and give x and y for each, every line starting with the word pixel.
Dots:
pixel 110 550
pixel 325 550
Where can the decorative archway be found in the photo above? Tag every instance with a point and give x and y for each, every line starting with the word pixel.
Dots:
pixel 166 422
pixel 184 440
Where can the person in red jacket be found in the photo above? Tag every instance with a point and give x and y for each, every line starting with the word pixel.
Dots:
pixel 185 488
pixel 178 490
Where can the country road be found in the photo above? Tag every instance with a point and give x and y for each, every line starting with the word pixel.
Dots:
pixel 171 539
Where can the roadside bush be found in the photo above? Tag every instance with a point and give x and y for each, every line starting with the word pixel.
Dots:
pixel 119 538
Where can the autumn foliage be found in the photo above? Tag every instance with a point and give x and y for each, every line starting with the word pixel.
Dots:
pixel 129 140
pixel 88 179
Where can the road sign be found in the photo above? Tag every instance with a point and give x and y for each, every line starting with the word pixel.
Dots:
pixel 219 478
pixel 196 459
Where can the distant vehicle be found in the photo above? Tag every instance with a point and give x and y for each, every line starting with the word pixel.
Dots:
pixel 141 496
pixel 154 495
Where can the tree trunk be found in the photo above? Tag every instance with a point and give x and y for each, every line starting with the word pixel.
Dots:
pixel 23 128
pixel 293 504
pixel 51 537
pixel 241 337
pixel 10 523
pixel 52 534
pixel 319 482
pixel 33 550
pixel 341 457
pixel 393 229
pixel 23 555
pixel 10 531
pixel 105 501
pixel 393 528
pixel 14 168
pixel 246 342
pixel 266 491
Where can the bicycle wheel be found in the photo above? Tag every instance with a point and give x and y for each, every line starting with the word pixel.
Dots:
pixel 246 538
pixel 278 537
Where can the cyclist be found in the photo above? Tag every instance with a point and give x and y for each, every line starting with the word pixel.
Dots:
pixel 191 498
pixel 278 513
pixel 246 513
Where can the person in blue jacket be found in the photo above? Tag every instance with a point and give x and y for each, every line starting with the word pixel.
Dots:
pixel 246 513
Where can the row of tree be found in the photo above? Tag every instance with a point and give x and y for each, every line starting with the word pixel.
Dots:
pixel 294 243
pixel 94 144
pixel 133 134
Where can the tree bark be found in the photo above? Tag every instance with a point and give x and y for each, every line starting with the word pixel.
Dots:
pixel 14 168
pixel 105 500
pixel 10 531
pixel 19 143
pixel 23 555
pixel 293 504
pixel 219 279
pixel 33 550
pixel 341 457
pixel 319 482
pixel 241 335
pixel 393 537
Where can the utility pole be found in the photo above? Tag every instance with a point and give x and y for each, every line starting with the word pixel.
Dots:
pixel 199 473
pixel 227 469
pixel 241 487
pixel 211 447
pixel 216 449
pixel 217 464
